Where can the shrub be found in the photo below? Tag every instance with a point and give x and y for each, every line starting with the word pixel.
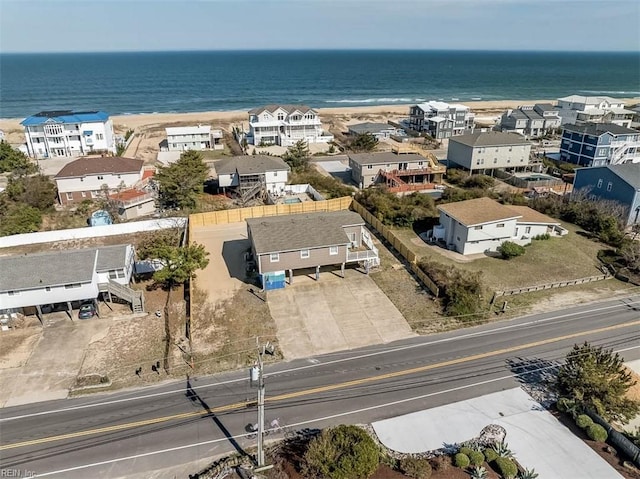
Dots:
pixel 490 454
pixel 597 433
pixel 564 404
pixel 542 237
pixel 528 474
pixel 466 450
pixel 479 473
pixel 583 421
pixel 506 467
pixel 476 458
pixel 461 460
pixel 343 452
pixel 415 467
pixel 509 249
pixel 502 449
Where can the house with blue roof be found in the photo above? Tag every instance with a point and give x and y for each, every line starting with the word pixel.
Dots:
pixel 619 183
pixel 54 134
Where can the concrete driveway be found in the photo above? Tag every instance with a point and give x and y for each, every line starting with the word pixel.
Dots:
pixel 225 273
pixel 334 314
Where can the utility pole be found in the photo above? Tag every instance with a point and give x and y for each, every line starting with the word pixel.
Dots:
pixel 257 375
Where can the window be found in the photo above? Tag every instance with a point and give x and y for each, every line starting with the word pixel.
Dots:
pixel 600 183
pixel 69 196
pixel 495 160
pixel 516 234
pixel 72 286
pixel 116 273
pixel 84 194
pixel 477 227
pixel 275 173
pixel 333 250
pixel 420 163
pixel 609 186
pixel 274 257
pixel 14 293
pixel 280 116
pixel 369 167
pixel 500 225
pixel 527 230
pixel 101 177
pixel 48 288
pixel 304 254
pixel 99 136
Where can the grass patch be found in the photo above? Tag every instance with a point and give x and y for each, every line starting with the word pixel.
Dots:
pixel 557 259
pixel 215 154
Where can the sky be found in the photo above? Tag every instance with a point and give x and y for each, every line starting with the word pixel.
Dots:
pixel 28 26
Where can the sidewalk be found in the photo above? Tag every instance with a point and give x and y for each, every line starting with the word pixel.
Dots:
pixel 537 439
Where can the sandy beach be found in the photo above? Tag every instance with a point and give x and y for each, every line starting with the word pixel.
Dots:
pixel 153 124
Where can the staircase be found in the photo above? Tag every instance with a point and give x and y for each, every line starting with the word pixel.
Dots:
pixel 622 155
pixel 251 192
pixel 136 298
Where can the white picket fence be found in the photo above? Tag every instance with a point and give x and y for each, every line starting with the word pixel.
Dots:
pixel 92 232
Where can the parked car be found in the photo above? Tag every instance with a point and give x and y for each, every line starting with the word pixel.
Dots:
pixel 87 311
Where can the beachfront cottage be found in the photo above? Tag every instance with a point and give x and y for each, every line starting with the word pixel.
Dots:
pixel 283 244
pixel 249 176
pixel 401 172
pixel 52 134
pixel 66 279
pixel 285 125
pixel 200 137
pixel 619 183
pixel 380 131
pixel 531 121
pixel 578 110
pixel 598 144
pixel 481 152
pixel 482 224
pixel 441 120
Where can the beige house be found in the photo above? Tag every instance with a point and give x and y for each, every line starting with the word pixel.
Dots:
pixel 282 244
pixel 481 152
pixel 394 169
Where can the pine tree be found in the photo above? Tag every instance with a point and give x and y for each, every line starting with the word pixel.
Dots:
pixel 181 182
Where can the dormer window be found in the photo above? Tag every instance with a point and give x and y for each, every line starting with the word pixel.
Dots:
pixel 280 116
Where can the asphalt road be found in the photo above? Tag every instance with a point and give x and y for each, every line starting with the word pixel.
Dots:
pixel 136 432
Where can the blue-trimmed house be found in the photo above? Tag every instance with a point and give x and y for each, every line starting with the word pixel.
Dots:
pixel 53 134
pixel 620 183
pixel 598 144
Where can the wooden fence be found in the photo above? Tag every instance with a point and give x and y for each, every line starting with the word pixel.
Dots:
pixel 558 284
pixel 199 220
pixel 397 244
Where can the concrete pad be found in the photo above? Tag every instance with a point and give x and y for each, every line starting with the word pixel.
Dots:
pixel 333 314
pixel 226 272
pixel 537 439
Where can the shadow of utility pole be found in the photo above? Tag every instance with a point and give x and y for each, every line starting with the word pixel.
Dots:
pixel 196 399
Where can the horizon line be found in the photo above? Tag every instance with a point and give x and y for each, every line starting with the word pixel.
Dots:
pixel 266 50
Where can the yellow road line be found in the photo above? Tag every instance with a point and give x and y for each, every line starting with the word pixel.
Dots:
pixel 307 392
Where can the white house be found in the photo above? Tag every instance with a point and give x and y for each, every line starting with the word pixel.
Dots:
pixel 441 120
pixel 285 125
pixel 65 277
pixel 482 224
pixel 52 134
pixel 85 178
pixel 480 152
pixel 381 131
pixel 200 137
pixel 578 109
pixel 251 175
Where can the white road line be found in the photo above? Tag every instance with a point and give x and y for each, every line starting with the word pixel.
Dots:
pixel 302 423
pixel 328 363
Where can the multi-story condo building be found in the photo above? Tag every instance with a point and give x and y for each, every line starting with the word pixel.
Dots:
pixel 52 134
pixel 577 109
pixel 200 137
pixel 532 121
pixel 285 125
pixel 598 144
pixel 441 120
pixel 481 152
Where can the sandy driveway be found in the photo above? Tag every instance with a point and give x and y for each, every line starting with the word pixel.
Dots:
pixel 334 314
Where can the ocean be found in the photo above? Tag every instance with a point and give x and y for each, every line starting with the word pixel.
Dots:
pixel 160 82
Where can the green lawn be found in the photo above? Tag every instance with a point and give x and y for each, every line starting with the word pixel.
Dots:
pixel 557 259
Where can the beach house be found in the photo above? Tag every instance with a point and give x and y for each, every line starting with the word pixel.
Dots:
pixel 482 224
pixel 67 278
pixel 619 183
pixel 481 152
pixel 200 137
pixel 249 176
pixel 285 125
pixel 531 121
pixel 52 134
pixel 578 109
pixel 441 120
pixel 381 131
pixel 281 245
pixel 597 144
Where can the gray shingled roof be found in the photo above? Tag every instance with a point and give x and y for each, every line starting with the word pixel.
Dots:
pixel 32 271
pixel 490 138
pixel 597 129
pixel 384 158
pixel 250 165
pixel 276 234
pixel 288 108
pixel 629 172
pixel 369 127
pixel 545 106
pixel 532 115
